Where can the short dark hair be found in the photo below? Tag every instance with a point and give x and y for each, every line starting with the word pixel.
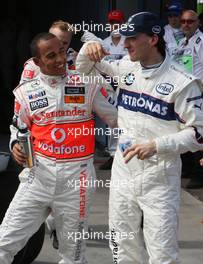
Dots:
pixel 161 45
pixel 35 41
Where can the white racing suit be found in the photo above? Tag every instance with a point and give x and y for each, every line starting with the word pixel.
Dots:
pixel 160 105
pixel 58 111
pixel 30 71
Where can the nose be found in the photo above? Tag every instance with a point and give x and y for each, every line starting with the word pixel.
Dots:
pixel 61 57
pixel 58 59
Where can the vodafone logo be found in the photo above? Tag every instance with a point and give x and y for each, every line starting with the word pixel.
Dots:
pixel 58 135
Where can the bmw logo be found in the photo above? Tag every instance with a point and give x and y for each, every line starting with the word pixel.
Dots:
pixel 129 79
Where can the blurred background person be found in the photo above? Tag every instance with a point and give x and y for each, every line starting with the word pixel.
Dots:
pixel 190 55
pixel 114 43
pixel 173 32
pixel 190 49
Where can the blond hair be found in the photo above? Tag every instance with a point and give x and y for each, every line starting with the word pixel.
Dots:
pixel 62 25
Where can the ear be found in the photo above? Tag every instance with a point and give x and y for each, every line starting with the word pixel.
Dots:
pixel 154 39
pixel 36 61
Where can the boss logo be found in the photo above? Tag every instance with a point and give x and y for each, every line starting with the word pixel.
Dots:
pixel 39 104
pixel 164 88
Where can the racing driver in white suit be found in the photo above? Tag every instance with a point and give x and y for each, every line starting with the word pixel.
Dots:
pixel 57 108
pixel 157 113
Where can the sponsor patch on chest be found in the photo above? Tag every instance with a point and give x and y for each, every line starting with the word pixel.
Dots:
pixel 164 88
pixel 41 103
pixel 146 104
pixel 74 90
pixel 74 99
pixel 36 95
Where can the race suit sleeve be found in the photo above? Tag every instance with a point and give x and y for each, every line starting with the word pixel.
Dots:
pixel 20 116
pixel 106 111
pixel 189 110
pixel 29 72
pixel 199 51
pixel 13 138
pixel 88 36
pixel 13 126
pixel 86 66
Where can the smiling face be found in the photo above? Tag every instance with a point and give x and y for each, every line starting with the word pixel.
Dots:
pixel 51 57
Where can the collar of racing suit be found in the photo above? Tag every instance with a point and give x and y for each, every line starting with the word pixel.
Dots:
pixel 154 70
pixel 195 33
pixel 52 81
pixel 154 66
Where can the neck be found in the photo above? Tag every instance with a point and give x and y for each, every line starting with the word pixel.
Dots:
pixel 153 59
